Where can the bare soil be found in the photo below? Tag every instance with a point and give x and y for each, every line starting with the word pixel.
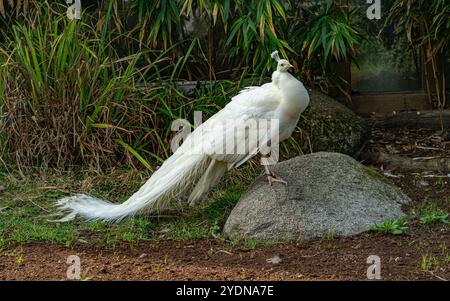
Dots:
pixel 335 259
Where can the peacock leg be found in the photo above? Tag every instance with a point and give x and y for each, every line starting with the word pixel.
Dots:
pixel 272 178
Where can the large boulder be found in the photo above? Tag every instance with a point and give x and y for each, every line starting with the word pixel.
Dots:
pixel 328 125
pixel 326 193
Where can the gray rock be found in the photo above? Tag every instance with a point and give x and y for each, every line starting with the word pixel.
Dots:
pixel 330 126
pixel 327 193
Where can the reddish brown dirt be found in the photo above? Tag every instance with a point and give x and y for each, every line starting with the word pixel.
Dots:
pixel 335 259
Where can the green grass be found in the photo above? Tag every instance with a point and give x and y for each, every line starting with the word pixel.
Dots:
pixel 28 206
pixel 250 244
pixel 427 213
pixel 395 227
pixel 331 234
pixel 428 262
pixel 430 213
pixel 434 261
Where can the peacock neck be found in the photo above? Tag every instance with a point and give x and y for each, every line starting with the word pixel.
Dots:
pixel 276 78
pixel 294 98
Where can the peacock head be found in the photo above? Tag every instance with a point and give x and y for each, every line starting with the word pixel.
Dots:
pixel 283 65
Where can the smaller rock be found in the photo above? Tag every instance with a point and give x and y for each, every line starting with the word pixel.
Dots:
pixel 423 183
pixel 274 260
pixel 331 126
pixel 164 231
pixel 19 202
pixel 390 175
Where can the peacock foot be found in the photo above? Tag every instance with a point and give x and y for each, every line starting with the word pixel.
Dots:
pixel 275 179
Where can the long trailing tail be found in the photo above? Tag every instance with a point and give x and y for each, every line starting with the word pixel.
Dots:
pixel 175 176
pixel 209 179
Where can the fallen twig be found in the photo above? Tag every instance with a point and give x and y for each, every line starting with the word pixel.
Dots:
pixel 37 205
pixel 397 162
pixel 226 252
pixel 412 119
pixel 425 158
pixel 309 256
pixel 428 148
pixel 438 277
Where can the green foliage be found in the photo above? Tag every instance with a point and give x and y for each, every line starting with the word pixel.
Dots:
pixel 245 31
pixel 249 244
pixel 13 7
pixel 426 24
pixel 102 91
pixel 395 227
pixel 71 97
pixel 435 217
pixel 330 34
pixel 423 29
pixel 429 262
pixel 324 34
pixel 431 214
pixel 331 233
pixel 44 103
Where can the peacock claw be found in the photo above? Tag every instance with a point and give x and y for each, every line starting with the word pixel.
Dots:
pixel 275 179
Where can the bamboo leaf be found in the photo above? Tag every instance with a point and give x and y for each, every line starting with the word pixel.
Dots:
pixel 127 147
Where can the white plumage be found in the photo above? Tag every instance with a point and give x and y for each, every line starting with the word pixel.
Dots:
pixel 284 99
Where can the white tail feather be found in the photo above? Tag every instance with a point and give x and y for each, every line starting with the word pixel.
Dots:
pixel 175 175
pixel 210 178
